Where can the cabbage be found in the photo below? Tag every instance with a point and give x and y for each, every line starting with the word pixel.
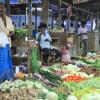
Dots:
pixel 44 90
pixel 71 67
pixel 71 98
pixel 96 96
pixel 51 96
pixel 84 75
pixel 89 54
pixel 94 54
pixel 38 85
pixel 87 97
pixel 90 76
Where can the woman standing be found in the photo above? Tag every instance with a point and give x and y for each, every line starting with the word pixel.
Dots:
pixel 6 30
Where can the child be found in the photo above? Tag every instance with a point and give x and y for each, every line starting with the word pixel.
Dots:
pixel 65 51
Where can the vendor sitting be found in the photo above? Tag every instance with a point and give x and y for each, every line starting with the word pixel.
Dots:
pixel 45 42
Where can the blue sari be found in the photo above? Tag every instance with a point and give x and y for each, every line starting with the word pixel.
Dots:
pixel 6 66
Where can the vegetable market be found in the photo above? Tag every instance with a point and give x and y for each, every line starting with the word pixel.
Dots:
pixel 50 50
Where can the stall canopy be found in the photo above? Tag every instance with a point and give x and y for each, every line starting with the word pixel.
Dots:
pixel 92 6
pixel 24 1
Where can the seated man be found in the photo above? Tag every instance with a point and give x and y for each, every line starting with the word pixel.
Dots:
pixel 45 42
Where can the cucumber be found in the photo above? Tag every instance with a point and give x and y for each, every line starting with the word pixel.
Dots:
pixel 50 76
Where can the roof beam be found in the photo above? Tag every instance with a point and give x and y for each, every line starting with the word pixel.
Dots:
pixel 76 8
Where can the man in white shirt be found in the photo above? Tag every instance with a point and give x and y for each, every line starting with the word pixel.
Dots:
pixel 45 41
pixel 6 30
pixel 83 33
pixel 71 28
pixel 66 25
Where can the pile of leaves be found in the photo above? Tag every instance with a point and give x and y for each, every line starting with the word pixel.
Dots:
pixel 20 33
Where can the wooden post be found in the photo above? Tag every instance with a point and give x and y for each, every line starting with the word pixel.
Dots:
pixel 76 28
pixel 45 13
pixel 30 16
pixel 30 30
pixel 35 18
pixel 7 7
pixel 97 27
pixel 59 15
pixel 98 23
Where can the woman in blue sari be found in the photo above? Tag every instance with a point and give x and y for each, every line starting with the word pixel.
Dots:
pixel 6 27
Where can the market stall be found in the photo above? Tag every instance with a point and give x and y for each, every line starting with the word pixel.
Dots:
pixel 77 79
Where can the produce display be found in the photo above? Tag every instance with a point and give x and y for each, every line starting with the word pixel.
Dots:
pixel 25 90
pixel 20 33
pixel 70 73
pixel 90 87
pixel 79 80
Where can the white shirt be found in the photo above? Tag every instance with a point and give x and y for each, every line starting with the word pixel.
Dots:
pixel 82 30
pixel 67 24
pixel 3 39
pixel 71 30
pixel 43 43
pixel 9 26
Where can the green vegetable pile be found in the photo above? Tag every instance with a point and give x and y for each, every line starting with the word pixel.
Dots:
pixel 82 92
pixel 35 59
pixel 92 62
pixel 20 33
pixel 50 76
pixel 91 83
pixel 8 86
pixel 96 64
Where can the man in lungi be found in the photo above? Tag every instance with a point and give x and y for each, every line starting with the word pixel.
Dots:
pixel 6 30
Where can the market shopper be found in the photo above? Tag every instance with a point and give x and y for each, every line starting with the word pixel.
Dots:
pixel 83 33
pixel 45 43
pixel 23 25
pixel 71 28
pixel 6 30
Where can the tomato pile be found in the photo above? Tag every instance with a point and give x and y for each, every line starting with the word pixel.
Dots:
pixel 73 78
